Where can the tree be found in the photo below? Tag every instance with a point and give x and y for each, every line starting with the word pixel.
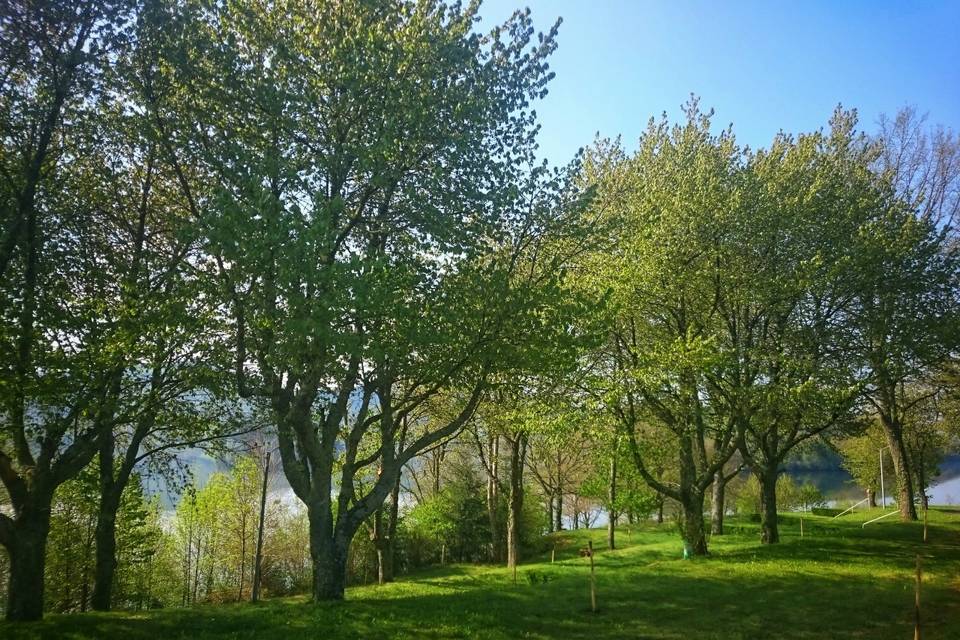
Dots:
pixel 558 462
pixel 71 550
pixel 718 501
pixel 922 164
pixel 905 323
pixel 863 453
pixel 785 309
pixel 364 227
pixel 63 364
pixel 672 200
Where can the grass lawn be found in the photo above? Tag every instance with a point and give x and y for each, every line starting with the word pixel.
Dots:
pixel 839 581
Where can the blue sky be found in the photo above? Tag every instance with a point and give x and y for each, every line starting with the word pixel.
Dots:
pixel 764 66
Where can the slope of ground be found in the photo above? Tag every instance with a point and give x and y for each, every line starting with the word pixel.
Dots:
pixel 839 581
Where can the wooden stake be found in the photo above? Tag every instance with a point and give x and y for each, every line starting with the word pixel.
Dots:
pixel 916 626
pixel 553 552
pixel 801 526
pixel 593 580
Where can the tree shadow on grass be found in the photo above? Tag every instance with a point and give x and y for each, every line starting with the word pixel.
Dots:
pixel 677 599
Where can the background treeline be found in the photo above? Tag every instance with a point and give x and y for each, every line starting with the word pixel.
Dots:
pixel 317 233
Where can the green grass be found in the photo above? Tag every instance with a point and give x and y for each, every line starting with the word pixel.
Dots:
pixel 839 581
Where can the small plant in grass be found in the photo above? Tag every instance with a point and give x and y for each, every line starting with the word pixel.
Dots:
pixel 536 577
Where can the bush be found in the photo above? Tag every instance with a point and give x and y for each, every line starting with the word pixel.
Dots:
pixel 455 518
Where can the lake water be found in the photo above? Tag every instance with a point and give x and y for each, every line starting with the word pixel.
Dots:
pixel 836 484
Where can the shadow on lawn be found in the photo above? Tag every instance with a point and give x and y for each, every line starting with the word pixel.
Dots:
pixel 857 584
pixel 677 601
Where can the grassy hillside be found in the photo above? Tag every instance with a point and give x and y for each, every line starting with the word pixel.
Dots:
pixel 840 580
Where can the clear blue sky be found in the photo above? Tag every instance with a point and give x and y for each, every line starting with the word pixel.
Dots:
pixel 764 66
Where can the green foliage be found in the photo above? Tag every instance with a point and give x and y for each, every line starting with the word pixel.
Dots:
pixel 70 549
pixel 861 457
pixel 455 518
pixel 214 534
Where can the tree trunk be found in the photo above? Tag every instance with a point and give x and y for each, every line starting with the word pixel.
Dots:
pixel 493 497
pixel 517 453
pixel 871 498
pixel 660 510
pixel 106 554
pixel 389 550
pixel 379 538
pixel 27 552
pixel 329 554
pixel 612 500
pixel 902 468
pixel 692 525
pixel 769 532
pixel 550 528
pixel 558 514
pixel 718 504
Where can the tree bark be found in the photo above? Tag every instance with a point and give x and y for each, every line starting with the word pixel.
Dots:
pixel 106 553
pixel 558 514
pixel 901 467
pixel 718 504
pixel 387 570
pixel 871 498
pixel 921 484
pixel 493 496
pixel 692 526
pixel 27 551
pixel 518 445
pixel 769 532
pixel 612 500
pixel 379 538
pixel 550 511
pixel 329 554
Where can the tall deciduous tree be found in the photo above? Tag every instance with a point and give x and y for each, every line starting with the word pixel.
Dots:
pixel 785 304
pixel 905 322
pixel 366 162
pixel 673 199
pixel 63 361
